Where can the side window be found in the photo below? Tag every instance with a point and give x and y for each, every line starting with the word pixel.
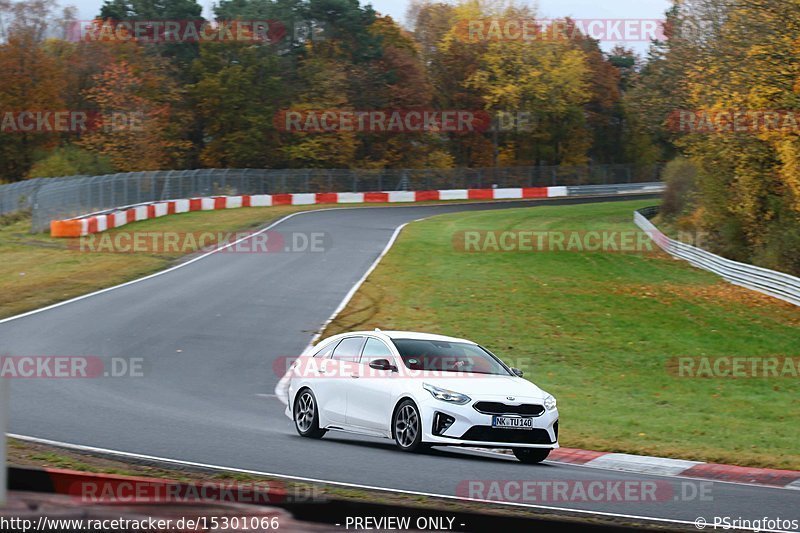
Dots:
pixel 375 349
pixel 326 351
pixel 349 349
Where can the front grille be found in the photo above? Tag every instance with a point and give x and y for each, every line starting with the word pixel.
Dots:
pixel 514 436
pixel 498 408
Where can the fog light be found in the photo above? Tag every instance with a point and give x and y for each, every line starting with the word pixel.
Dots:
pixel 441 422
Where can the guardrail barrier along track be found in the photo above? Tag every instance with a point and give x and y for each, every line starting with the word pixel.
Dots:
pixel 777 284
pixel 114 218
pixel 71 196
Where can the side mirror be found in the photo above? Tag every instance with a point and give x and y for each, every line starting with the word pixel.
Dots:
pixel 382 364
pixel 519 373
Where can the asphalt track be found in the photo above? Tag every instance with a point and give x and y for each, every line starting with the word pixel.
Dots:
pixel 209 333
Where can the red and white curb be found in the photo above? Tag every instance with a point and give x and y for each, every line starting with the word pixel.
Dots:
pixel 642 464
pixel 95 223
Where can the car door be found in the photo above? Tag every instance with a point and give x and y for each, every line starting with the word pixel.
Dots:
pixel 311 372
pixel 335 378
pixel 369 392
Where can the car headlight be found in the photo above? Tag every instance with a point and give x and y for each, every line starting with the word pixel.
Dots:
pixel 549 403
pixel 446 395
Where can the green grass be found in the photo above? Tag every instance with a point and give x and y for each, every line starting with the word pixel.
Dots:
pixel 597 330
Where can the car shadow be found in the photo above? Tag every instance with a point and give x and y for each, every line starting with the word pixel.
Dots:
pixel 441 452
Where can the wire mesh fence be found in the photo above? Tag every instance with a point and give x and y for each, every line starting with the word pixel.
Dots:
pixel 59 198
pixel 19 196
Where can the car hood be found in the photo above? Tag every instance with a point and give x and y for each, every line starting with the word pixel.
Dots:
pixel 486 386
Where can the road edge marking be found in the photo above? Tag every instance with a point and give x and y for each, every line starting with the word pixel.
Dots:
pixel 131 455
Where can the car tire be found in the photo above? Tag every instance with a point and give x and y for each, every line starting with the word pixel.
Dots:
pixel 306 415
pixel 407 427
pixel 531 456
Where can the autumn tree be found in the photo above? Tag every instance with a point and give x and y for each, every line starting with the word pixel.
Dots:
pixel 140 129
pixel 734 57
pixel 450 62
pixel 31 82
pixel 397 80
pixel 548 79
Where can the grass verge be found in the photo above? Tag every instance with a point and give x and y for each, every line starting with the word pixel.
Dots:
pixel 598 330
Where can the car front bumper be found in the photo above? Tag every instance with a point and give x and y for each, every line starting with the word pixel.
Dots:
pixel 473 428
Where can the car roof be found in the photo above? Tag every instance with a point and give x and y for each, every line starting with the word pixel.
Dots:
pixel 403 335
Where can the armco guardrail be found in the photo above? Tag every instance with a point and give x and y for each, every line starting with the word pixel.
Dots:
pixel 614 188
pixel 71 196
pixel 777 284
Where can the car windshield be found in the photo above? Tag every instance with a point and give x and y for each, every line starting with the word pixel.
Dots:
pixel 445 356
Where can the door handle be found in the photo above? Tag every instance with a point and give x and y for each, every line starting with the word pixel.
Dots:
pixel 354 376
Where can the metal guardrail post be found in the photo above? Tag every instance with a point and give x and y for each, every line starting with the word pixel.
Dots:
pixel 223 185
pixel 165 189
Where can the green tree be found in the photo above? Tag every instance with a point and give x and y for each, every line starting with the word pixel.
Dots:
pixel 71 161
pixel 240 89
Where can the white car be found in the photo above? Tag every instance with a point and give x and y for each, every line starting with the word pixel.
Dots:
pixel 420 390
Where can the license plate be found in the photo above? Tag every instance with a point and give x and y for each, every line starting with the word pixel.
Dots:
pixel 512 422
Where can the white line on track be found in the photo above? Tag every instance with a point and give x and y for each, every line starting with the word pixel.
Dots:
pixel 177 462
pixel 155 274
pixel 533 201
pixel 354 288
